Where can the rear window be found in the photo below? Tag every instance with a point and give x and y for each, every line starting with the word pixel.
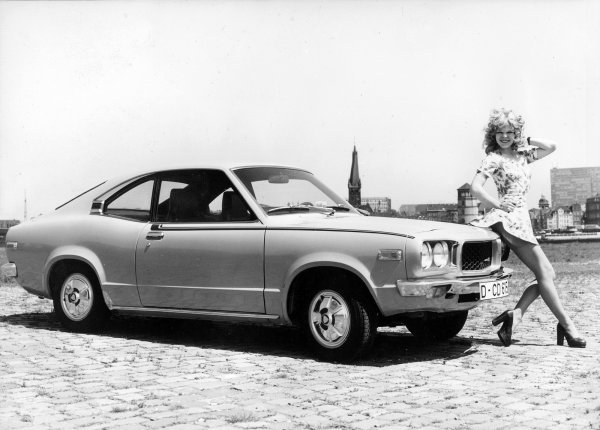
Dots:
pixel 80 195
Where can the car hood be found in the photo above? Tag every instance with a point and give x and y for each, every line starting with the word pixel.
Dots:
pixel 400 226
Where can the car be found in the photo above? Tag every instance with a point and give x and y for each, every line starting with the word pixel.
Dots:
pixel 263 244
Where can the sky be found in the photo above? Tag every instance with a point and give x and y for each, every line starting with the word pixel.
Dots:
pixel 92 90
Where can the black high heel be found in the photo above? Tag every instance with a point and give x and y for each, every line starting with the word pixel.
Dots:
pixel 500 318
pixel 505 332
pixel 574 342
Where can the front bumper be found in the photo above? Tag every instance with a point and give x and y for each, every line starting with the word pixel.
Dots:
pixel 432 287
pixel 434 294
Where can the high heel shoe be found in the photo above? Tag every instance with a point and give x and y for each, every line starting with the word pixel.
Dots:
pixel 574 342
pixel 505 332
pixel 500 318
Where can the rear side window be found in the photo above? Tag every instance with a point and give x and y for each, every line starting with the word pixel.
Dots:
pixel 134 203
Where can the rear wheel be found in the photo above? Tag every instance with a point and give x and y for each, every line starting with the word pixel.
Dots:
pixel 339 325
pixel 437 327
pixel 78 301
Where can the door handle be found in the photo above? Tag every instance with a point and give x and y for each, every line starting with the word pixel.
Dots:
pixel 154 236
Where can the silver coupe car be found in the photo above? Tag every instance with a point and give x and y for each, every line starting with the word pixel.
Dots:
pixel 260 244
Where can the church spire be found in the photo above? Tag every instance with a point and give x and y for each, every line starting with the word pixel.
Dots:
pixel 354 181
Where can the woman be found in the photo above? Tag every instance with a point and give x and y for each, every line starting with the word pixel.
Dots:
pixel 508 156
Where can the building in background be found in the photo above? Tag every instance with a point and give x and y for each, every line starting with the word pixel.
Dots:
pixel 539 216
pixel 560 218
pixel 573 185
pixel 445 212
pixel 578 211
pixel 354 184
pixel 468 206
pixel 442 212
pixel 463 212
pixel 378 205
pixel 5 224
pixel 592 211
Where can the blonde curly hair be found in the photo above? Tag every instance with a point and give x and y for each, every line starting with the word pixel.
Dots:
pixel 498 119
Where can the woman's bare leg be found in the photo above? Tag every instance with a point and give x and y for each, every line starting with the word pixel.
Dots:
pixel 530 294
pixel 535 259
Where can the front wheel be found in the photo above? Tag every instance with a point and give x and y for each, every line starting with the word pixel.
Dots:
pixel 339 325
pixel 78 301
pixel 437 327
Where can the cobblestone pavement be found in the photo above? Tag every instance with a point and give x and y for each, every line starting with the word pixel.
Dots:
pixel 154 373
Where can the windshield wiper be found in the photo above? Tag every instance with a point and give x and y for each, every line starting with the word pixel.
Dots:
pixel 289 209
pixel 340 208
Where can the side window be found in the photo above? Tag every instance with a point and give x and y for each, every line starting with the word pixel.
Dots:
pixel 134 203
pixel 200 196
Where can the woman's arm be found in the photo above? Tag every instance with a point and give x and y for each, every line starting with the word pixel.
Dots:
pixel 482 195
pixel 545 146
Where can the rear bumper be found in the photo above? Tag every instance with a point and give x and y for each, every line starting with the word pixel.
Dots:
pixel 9 270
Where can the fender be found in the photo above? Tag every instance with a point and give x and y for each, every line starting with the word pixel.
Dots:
pixel 71 252
pixel 319 259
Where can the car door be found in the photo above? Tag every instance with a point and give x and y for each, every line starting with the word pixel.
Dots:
pixel 204 249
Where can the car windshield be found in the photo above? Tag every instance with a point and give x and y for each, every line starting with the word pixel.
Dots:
pixel 283 190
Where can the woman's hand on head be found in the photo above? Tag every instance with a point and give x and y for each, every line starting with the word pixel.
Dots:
pixel 523 145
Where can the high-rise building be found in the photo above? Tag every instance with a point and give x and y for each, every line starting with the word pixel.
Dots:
pixel 573 185
pixel 592 210
pixel 354 182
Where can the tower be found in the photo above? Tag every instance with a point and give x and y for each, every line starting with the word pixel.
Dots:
pixel 468 206
pixel 354 182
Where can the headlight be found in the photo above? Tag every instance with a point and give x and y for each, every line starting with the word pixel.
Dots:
pixel 441 254
pixel 426 256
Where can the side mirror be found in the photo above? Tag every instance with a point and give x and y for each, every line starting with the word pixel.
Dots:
pixel 97 208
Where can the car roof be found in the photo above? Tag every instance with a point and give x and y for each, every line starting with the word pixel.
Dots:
pixel 107 185
pixel 217 166
pixel 126 177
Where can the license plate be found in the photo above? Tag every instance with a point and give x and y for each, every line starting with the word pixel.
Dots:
pixel 493 290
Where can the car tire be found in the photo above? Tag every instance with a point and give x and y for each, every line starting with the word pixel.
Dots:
pixel 338 324
pixel 78 301
pixel 437 327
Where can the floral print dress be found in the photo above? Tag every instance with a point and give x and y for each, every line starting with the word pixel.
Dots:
pixel 512 178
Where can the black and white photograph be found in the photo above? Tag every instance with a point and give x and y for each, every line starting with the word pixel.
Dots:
pixel 279 214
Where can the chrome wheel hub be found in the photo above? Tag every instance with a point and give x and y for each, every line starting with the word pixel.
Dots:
pixel 329 319
pixel 76 297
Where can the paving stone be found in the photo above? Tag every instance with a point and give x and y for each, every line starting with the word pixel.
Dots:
pixel 134 376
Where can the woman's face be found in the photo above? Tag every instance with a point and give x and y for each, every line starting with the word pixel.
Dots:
pixel 505 136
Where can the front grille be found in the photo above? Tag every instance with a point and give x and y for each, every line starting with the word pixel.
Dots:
pixel 476 255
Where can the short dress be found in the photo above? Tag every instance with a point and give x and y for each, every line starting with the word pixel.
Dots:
pixel 512 178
